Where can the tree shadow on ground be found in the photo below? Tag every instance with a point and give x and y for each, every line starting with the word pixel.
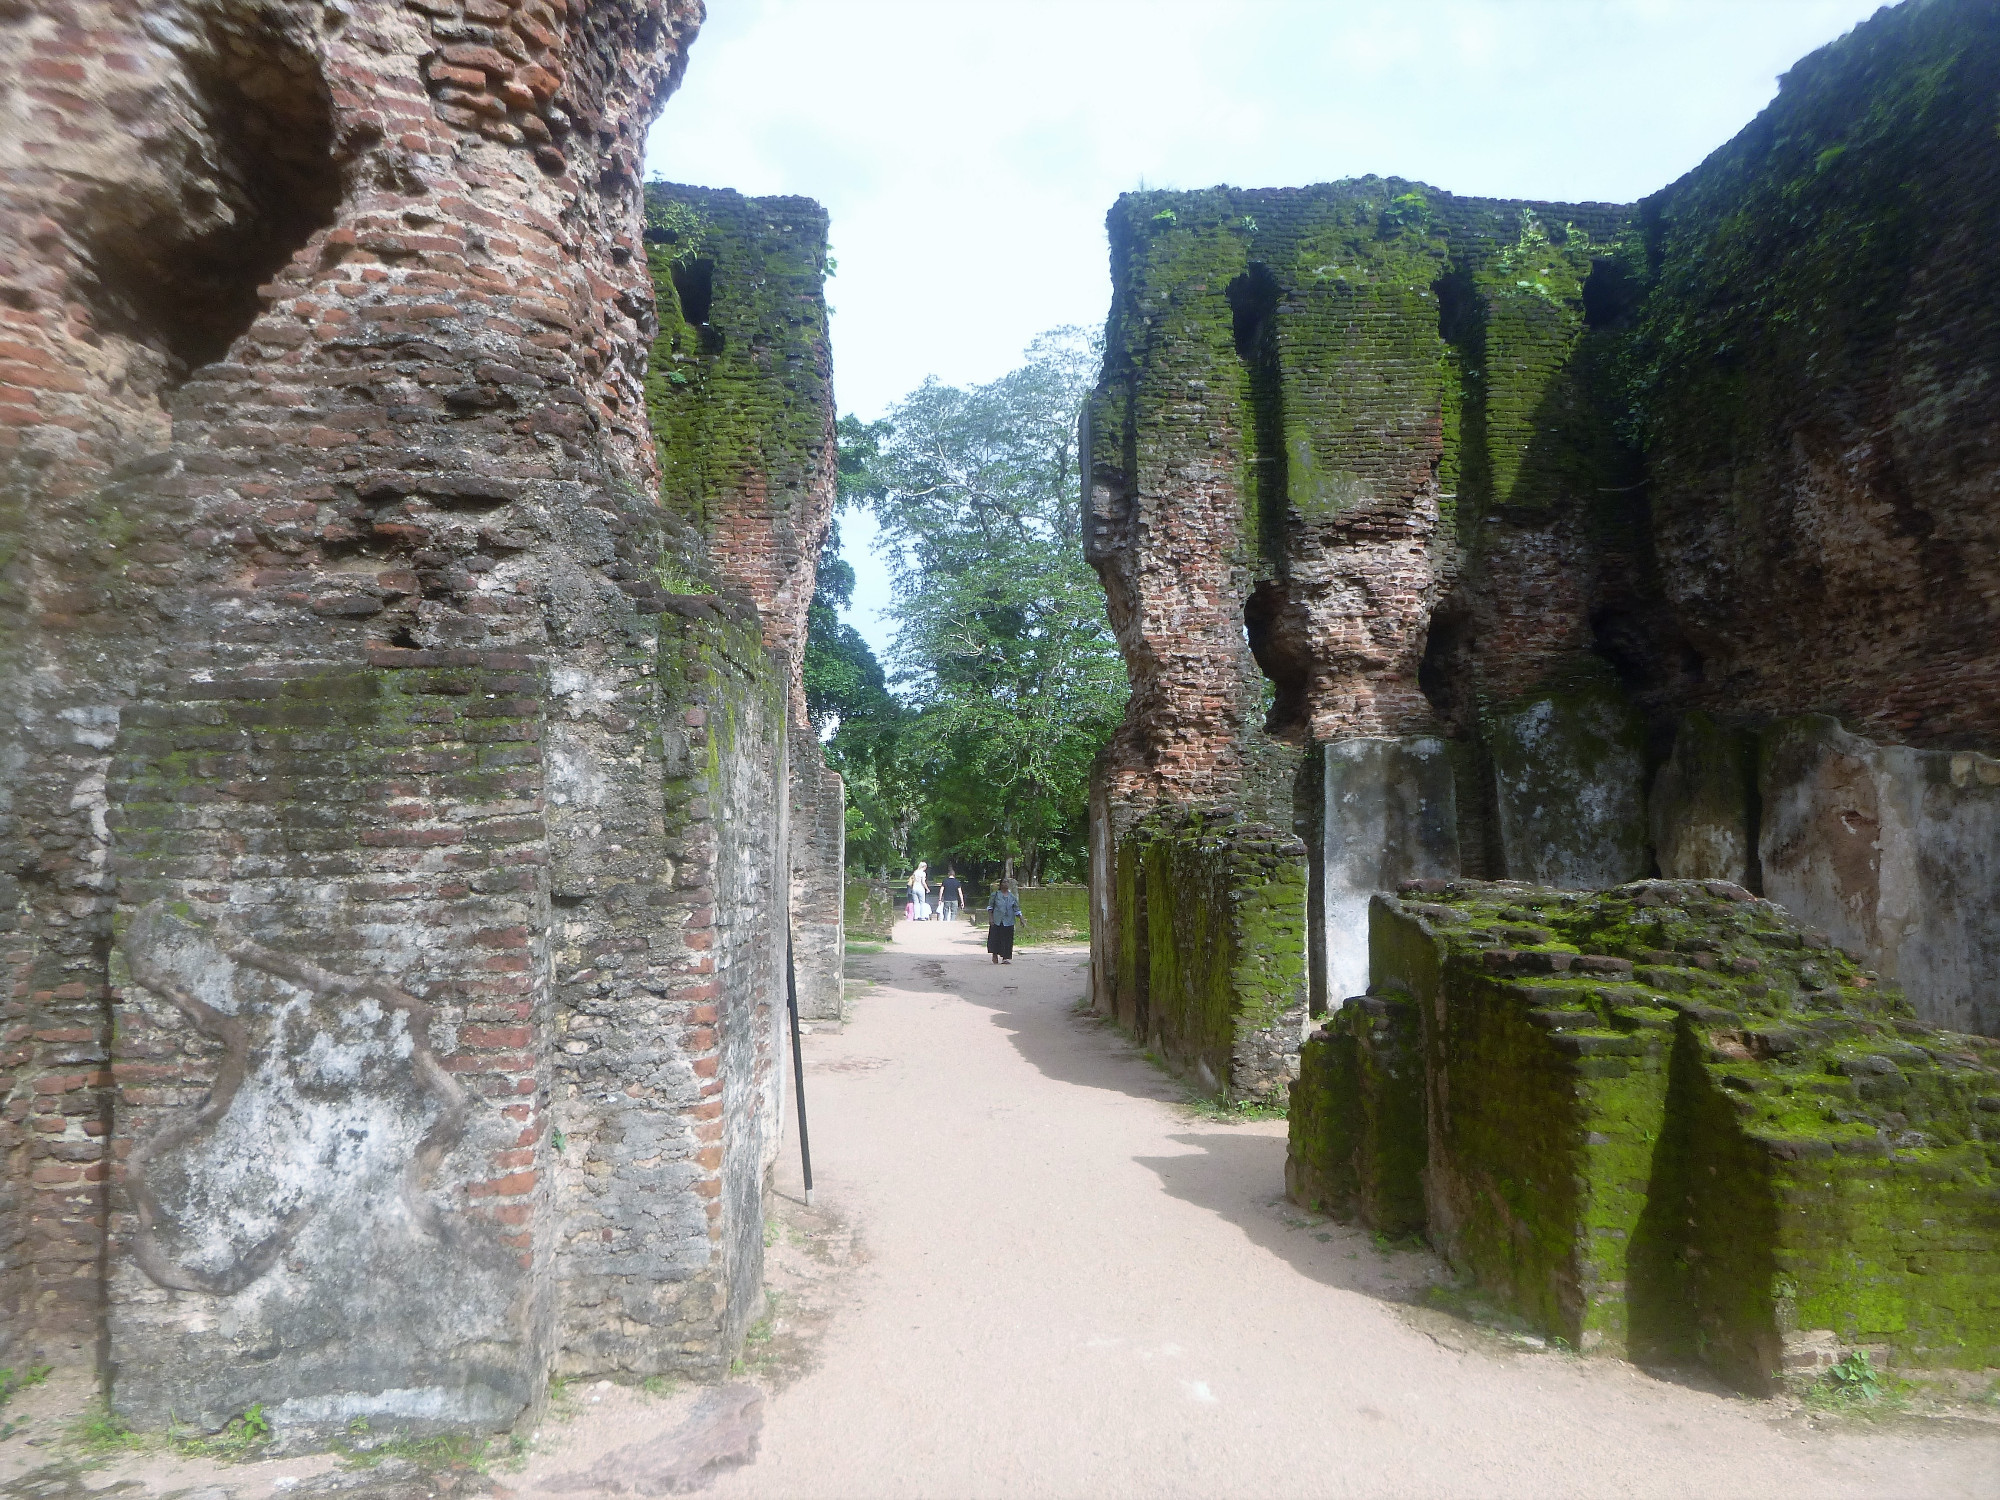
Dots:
pixel 1068 1044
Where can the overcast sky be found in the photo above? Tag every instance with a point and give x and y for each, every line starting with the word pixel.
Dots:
pixel 968 149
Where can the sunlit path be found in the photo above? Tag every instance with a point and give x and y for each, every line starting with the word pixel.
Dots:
pixel 1069 1286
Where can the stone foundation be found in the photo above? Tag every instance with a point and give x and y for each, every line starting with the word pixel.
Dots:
pixel 1665 1121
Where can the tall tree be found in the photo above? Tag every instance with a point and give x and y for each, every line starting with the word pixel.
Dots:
pixel 1001 646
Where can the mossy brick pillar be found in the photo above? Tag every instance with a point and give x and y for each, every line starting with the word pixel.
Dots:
pixel 740 394
pixel 1225 988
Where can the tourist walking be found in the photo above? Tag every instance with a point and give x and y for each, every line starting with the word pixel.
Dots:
pixel 1000 923
pixel 920 891
pixel 950 894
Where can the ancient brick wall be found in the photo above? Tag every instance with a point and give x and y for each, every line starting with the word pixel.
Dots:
pixel 741 394
pixel 382 762
pixel 1374 464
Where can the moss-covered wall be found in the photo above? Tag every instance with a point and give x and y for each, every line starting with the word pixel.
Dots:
pixel 1667 1121
pixel 739 397
pixel 1370 461
pixel 1054 914
pixel 1813 379
pixel 871 917
pixel 1214 976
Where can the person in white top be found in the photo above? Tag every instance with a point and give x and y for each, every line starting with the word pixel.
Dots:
pixel 920 905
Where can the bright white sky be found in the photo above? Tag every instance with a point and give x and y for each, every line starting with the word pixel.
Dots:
pixel 968 149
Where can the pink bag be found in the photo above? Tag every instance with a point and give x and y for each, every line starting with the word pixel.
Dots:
pixel 910 911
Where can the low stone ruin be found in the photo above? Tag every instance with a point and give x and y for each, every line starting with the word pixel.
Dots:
pixel 1664 1122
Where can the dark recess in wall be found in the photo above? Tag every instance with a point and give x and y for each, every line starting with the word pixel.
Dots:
pixel 1283 655
pixel 694 284
pixel 179 272
pixel 1253 305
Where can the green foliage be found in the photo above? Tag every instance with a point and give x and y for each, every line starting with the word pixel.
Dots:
pixel 98 1433
pixel 441 1450
pixel 242 1437
pixel 1853 1381
pixel 10 1383
pixel 1002 652
pixel 678 226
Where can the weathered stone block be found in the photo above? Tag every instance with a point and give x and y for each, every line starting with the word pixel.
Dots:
pixel 1703 807
pixel 1769 1157
pixel 1569 787
pixel 1389 813
pixel 1224 963
pixel 1895 853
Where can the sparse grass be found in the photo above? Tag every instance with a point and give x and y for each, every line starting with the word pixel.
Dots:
pixel 660 1386
pixel 756 1355
pixel 1232 1112
pixel 97 1433
pixel 242 1437
pixel 864 947
pixel 1394 1244
pixel 1855 1385
pixel 443 1450
pixel 11 1382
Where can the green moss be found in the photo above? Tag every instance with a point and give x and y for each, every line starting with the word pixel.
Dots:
pixel 1211 959
pixel 1664 1120
pixel 870 916
pixel 737 383
pixel 1054 914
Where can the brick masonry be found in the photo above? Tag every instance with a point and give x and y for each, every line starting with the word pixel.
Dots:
pixel 381 760
pixel 741 393
pixel 1372 463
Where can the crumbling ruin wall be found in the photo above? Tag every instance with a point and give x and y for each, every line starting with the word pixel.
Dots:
pixel 392 871
pixel 1505 536
pixel 1666 1122
pixel 741 392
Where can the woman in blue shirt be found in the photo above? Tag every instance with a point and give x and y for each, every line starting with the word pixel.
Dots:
pixel 1000 923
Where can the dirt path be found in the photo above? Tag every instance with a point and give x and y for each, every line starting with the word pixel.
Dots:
pixel 1066 1285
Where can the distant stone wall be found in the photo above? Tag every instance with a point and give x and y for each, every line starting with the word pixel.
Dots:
pixel 1054 913
pixel 1413 508
pixel 1662 1121
pixel 870 915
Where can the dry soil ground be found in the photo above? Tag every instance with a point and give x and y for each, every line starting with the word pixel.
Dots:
pixel 1030 1271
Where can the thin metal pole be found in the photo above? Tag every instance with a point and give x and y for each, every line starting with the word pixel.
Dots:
pixel 798 1068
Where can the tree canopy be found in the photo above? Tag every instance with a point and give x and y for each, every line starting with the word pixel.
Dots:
pixel 1003 681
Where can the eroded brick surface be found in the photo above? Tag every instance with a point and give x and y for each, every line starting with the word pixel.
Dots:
pixel 1559 485
pixel 366 772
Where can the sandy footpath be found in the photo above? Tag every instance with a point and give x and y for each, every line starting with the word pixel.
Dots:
pixel 1061 1284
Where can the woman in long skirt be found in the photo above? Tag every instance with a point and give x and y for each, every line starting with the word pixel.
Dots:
pixel 1000 923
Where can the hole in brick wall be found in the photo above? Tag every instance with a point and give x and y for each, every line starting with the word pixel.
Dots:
pixel 694 284
pixel 1253 316
pixel 1610 292
pixel 1253 299
pixel 234 196
pixel 1651 657
pixel 1278 640
pixel 1446 676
